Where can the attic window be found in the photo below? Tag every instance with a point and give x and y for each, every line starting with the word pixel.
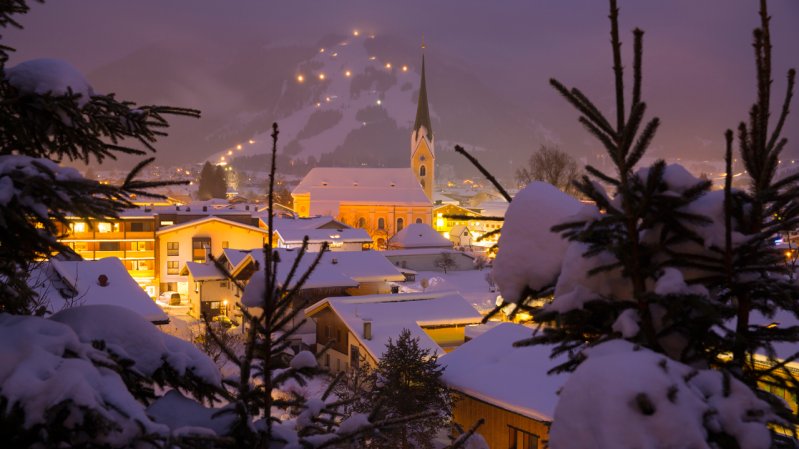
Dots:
pixel 393 184
pixel 355 184
pixel 324 183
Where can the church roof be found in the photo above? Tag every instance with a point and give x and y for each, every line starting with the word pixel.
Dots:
pixel 362 186
pixel 422 111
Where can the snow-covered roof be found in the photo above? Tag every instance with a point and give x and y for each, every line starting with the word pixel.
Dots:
pixel 422 252
pixel 490 369
pixel 292 224
pixel 208 220
pixel 390 314
pixel 235 256
pixel 206 271
pixel 362 266
pixel 62 284
pixel 212 207
pixel 418 235
pixel 346 235
pixel 330 186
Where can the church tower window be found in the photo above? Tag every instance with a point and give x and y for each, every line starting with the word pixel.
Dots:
pixel 381 223
pixel 422 171
pixel 400 224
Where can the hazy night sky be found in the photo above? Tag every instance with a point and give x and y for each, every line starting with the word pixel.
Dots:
pixel 698 62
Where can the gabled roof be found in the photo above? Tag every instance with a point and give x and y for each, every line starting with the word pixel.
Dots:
pixel 208 220
pixel 330 186
pixel 390 314
pixel 490 369
pixel 62 284
pixel 347 235
pixel 206 271
pixel 418 235
pixel 291 224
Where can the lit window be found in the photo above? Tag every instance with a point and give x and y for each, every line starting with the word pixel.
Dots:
pixel 103 227
pixel 172 267
pixel 79 227
pixel 172 249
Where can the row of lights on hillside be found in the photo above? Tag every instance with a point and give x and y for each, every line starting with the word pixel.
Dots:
pixel 238 147
pixel 347 73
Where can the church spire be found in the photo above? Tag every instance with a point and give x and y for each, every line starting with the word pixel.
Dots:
pixel 422 112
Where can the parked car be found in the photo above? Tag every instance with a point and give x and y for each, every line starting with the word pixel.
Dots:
pixel 171 298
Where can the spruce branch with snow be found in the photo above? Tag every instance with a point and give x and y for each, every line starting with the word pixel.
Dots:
pixel 48 114
pixel 662 281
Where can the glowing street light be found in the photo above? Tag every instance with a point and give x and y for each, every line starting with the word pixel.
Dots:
pixel 347 73
pixel 321 50
pixel 229 152
pixel 251 141
pixel 238 147
pixel 405 68
pixel 300 78
pixel 388 65
pixel 355 33
pixel 321 77
pixel 379 102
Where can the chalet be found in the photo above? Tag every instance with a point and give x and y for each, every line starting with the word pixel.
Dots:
pixel 509 387
pixel 360 327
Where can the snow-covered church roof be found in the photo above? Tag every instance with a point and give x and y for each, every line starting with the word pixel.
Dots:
pixel 330 186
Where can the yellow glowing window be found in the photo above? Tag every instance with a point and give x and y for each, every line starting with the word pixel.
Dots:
pixel 79 227
pixel 103 227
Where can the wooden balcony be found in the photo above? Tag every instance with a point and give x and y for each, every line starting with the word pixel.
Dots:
pixel 139 254
pixel 104 254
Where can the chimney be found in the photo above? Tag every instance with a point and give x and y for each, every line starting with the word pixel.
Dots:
pixel 367 329
pixel 188 209
pixel 102 281
pixel 246 207
pixel 177 208
pixel 205 208
pixel 334 261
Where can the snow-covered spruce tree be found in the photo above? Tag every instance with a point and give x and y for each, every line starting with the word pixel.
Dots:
pixel 662 289
pixel 407 381
pixel 269 404
pixel 49 114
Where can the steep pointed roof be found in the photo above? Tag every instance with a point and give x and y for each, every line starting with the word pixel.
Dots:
pixel 422 111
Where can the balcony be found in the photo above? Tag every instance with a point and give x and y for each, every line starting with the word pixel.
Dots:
pixel 139 254
pixel 140 274
pixel 104 254
pixel 140 235
pixel 109 235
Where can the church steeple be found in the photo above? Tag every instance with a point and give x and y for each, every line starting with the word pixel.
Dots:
pixel 422 111
pixel 423 154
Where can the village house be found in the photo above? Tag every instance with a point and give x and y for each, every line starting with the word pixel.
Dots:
pixel 507 386
pixel 62 284
pixel 358 328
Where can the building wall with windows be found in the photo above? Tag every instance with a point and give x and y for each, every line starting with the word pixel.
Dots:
pixel 131 239
pixel 502 428
pixel 191 242
pixel 382 221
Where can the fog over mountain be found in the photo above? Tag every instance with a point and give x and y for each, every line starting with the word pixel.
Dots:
pixel 488 66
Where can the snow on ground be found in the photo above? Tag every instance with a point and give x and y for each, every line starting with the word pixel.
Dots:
pixel 471 284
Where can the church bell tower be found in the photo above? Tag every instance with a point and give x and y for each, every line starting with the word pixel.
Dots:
pixel 422 143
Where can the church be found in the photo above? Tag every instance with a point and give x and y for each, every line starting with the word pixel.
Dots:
pixel 380 200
